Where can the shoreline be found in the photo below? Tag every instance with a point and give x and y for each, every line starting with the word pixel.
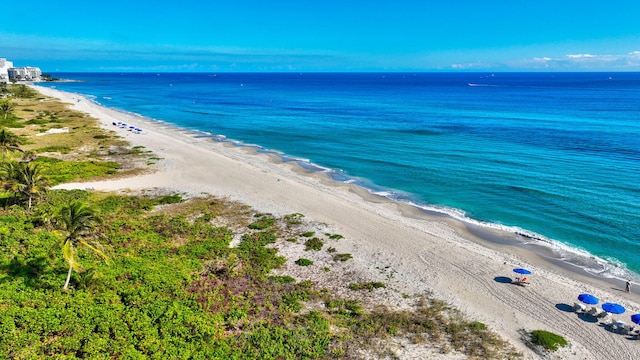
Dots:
pixel 564 255
pixel 430 253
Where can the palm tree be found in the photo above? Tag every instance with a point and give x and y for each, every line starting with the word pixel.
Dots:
pixel 24 179
pixel 8 176
pixel 9 142
pixel 32 183
pixel 6 107
pixel 81 223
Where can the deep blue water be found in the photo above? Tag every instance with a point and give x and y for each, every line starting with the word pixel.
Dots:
pixel 552 154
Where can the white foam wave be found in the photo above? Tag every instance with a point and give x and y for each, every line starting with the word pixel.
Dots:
pixel 386 194
pixel 597 266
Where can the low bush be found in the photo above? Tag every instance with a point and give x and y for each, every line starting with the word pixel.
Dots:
pixel 304 262
pixel 293 219
pixel 263 223
pixel 342 257
pixel 313 244
pixel 548 340
pixel 283 279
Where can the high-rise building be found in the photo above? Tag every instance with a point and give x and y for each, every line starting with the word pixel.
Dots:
pixel 5 65
pixel 27 73
pixel 10 73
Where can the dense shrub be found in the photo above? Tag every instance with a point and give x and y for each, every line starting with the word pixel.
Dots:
pixel 313 244
pixel 548 340
pixel 304 262
pixel 262 223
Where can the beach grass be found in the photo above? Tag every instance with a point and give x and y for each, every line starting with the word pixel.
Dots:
pixel 85 143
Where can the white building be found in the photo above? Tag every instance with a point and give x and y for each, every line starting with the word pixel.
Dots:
pixel 10 73
pixel 4 69
pixel 27 73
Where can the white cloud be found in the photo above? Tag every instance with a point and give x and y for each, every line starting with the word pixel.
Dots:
pixel 472 66
pixel 580 56
pixel 569 62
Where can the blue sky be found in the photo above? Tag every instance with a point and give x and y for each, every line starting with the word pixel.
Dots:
pixel 325 35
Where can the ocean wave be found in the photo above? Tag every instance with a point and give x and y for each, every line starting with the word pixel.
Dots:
pixel 578 258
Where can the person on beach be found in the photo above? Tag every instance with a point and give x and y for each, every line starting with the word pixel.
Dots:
pixel 627 286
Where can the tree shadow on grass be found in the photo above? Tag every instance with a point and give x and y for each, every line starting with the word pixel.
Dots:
pixel 6 201
pixel 32 271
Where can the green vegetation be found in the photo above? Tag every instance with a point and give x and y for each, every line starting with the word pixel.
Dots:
pixel 173 287
pixel 548 340
pixel 313 244
pixel 293 219
pixel 342 257
pixel 60 171
pixel 25 181
pixel 308 234
pixel 334 236
pixel 48 77
pixel 6 107
pixel 22 91
pixel 304 262
pixel 9 143
pixel 283 279
pixel 81 224
pixel 262 223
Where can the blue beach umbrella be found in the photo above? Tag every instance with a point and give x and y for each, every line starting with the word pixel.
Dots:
pixel 613 308
pixel 636 319
pixel 588 299
pixel 522 271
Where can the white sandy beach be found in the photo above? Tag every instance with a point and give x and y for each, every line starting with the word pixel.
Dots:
pixel 428 254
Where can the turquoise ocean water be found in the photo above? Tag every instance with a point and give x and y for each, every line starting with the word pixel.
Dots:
pixel 555 156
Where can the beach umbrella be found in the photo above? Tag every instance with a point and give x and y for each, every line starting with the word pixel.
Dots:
pixel 613 308
pixel 522 271
pixel 588 299
pixel 636 319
